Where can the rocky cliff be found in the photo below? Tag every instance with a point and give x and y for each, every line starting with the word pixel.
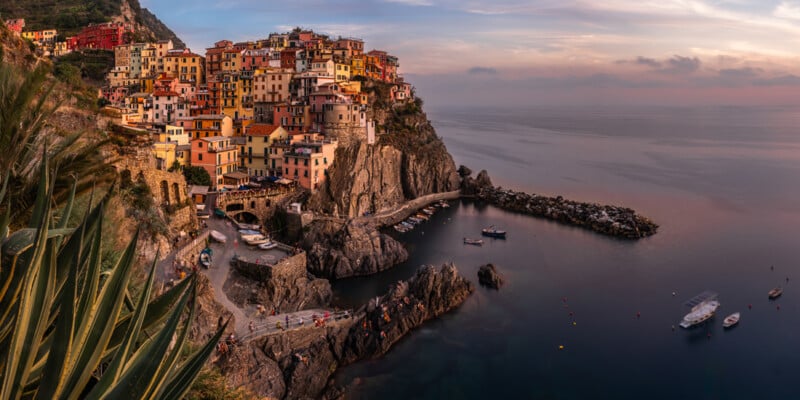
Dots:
pixel 299 364
pixel 70 16
pixel 407 161
pixel 344 249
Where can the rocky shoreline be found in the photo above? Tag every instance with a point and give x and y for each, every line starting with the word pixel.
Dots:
pixel 609 220
pixel 300 364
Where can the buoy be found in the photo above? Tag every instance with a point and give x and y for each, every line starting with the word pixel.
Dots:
pixel 564 299
pixel 709 335
pixel 561 347
pixel 638 314
pixel 749 306
pixel 673 294
pixel 574 323
pixel 779 307
pixel 673 328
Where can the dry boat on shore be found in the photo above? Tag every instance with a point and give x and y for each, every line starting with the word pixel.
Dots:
pixel 218 236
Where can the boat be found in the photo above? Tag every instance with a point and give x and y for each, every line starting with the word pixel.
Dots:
pixel 700 313
pixel 250 226
pixel 476 242
pixel 421 216
pixel 775 293
pixel 493 232
pixel 219 213
pixel 202 216
pixel 444 204
pixel 205 259
pixel 731 320
pixel 268 245
pixel 255 240
pixel 401 228
pixel 218 236
pixel 245 232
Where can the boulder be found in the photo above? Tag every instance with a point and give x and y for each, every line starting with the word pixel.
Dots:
pixel 488 276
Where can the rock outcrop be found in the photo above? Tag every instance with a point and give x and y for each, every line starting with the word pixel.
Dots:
pixel 488 276
pixel 472 186
pixel 403 165
pixel 620 222
pixel 299 364
pixel 285 287
pixel 339 250
pixel 208 312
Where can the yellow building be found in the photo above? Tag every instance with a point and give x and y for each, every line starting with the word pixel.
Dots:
pixel 342 72
pixel 357 67
pixel 271 85
pixel 256 150
pixel 186 66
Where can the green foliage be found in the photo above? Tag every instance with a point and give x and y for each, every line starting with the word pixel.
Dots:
pixel 25 107
pixel 92 64
pixel 197 176
pixel 176 166
pixel 143 208
pixel 64 329
pixel 67 73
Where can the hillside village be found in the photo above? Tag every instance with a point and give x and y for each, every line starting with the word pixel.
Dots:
pixel 252 112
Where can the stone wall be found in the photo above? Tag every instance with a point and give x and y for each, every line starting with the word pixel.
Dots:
pixel 261 203
pixel 291 267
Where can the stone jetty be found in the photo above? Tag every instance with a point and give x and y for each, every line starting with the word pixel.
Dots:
pixel 620 222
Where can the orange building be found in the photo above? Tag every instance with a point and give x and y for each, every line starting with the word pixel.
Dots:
pixel 217 155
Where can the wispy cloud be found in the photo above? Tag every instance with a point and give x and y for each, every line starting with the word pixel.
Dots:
pixel 787 10
pixel 482 70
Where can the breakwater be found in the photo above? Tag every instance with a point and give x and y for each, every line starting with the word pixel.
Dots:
pixel 620 222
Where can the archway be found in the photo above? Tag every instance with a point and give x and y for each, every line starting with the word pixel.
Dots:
pixel 234 207
pixel 165 192
pixel 246 217
pixel 176 192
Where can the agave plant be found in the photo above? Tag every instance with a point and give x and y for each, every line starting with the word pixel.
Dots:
pixel 65 330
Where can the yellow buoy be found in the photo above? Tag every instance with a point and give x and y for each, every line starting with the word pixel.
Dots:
pixel 561 347
pixel 574 323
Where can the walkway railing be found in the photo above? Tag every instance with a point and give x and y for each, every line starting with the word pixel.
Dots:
pixel 192 246
pixel 277 324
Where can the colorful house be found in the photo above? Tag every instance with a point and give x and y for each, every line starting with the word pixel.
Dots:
pixel 307 162
pixel 256 149
pixel 100 36
pixel 217 155
pixel 205 126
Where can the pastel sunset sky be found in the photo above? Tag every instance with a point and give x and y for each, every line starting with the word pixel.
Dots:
pixel 542 52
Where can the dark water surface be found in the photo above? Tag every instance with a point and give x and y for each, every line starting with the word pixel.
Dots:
pixel 724 185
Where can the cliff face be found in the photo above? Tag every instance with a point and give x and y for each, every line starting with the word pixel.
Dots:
pixel 339 250
pixel 299 364
pixel 406 162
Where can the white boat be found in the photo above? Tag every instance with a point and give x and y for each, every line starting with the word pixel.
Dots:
pixel 250 226
pixel 205 259
pixel 218 236
pixel 268 245
pixel 245 232
pixel 700 313
pixel 255 240
pixel 476 242
pixel 731 320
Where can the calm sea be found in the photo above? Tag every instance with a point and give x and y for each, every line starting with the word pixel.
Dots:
pixel 723 183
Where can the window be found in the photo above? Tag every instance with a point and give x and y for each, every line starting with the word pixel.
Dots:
pixel 316 161
pixel 200 156
pixel 325 160
pixel 305 162
pixel 305 174
pixel 287 171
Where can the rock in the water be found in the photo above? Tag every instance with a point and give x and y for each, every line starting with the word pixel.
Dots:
pixel 470 186
pixel 488 276
pixel 464 171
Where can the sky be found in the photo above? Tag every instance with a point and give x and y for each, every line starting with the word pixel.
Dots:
pixel 510 52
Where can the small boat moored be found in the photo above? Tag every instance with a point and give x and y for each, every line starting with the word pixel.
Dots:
pixel 731 320
pixel 700 313
pixel 775 293
pixel 205 257
pixel 493 232
pixel 475 242
pixel 267 245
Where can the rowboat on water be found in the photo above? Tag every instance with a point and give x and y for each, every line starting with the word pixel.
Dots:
pixel 475 242
pixel 493 232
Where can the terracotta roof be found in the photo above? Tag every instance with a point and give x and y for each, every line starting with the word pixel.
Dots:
pixel 261 129
pixel 161 93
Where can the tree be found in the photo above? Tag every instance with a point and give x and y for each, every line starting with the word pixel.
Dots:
pixel 197 176
pixel 66 330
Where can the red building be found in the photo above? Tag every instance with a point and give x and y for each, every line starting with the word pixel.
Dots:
pixel 16 25
pixel 289 58
pixel 99 36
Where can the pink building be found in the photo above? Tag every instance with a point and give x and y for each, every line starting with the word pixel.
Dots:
pixel 16 25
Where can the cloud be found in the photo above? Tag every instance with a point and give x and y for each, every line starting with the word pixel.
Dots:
pixel 785 80
pixel 650 62
pixel 482 70
pixel 676 65
pixel 681 65
pixel 740 73
pixel 787 10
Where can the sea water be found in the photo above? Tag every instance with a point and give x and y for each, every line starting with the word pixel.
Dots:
pixel 723 183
